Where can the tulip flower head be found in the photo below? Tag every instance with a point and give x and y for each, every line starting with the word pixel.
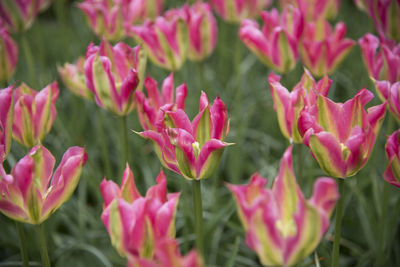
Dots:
pixel 381 57
pixel 112 74
pixel 8 55
pixel 276 43
pixel 281 226
pixel 202 30
pixel 36 192
pixel 288 105
pixel 150 115
pixel 192 149
pixel 322 49
pixel 18 15
pixel 314 10
pixel 392 173
pixel 73 77
pixel 389 93
pixel 167 255
pixel 165 40
pixel 6 120
pixel 135 223
pixel 34 113
pixel 235 11
pixel 341 136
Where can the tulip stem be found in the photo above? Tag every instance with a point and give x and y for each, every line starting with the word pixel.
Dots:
pixel 22 244
pixel 103 144
pixel 338 225
pixel 300 160
pixel 203 82
pixel 29 60
pixel 42 245
pixel 125 143
pixel 198 215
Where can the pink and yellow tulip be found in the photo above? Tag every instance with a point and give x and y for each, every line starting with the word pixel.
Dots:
pixel 18 15
pixel 202 30
pixel 392 173
pixel 8 55
pixel 381 57
pixel 73 77
pixel 389 93
pixel 164 39
pixel 34 113
pixel 276 43
pixel 192 149
pixel 35 192
pixel 314 10
pixel 322 49
pixel 235 11
pixel 6 120
pixel 167 255
pixel 288 105
pixel 341 136
pixel 281 226
pixel 136 224
pixel 112 74
pixel 148 108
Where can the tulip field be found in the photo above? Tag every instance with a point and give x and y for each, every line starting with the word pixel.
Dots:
pixel 172 133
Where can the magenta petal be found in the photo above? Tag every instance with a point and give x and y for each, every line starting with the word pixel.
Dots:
pixel 109 190
pixel 209 157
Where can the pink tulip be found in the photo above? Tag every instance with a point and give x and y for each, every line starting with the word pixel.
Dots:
pixel 6 119
pixel 341 136
pixel 34 113
pixel 314 10
pixel 8 55
pixel 73 77
pixel 112 74
pixel 392 173
pixel 192 149
pixel 150 115
pixel 137 224
pixel 202 30
pixel 281 226
pixel 237 10
pixel 389 93
pixel 18 15
pixel 381 57
pixel 35 192
pixel 276 43
pixel 321 49
pixel 288 105
pixel 140 10
pixel 167 255
pixel 164 39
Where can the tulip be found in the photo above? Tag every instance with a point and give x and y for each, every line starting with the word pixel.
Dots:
pixel 34 113
pixel 381 57
pixel 392 173
pixel 167 255
pixel 341 136
pixel 321 49
pixel 6 118
pixel 18 15
pixel 105 18
pixel 281 226
pixel 35 192
pixel 192 149
pixel 389 93
pixel 165 40
pixel 135 223
pixel 202 30
pixel 313 10
pixel 8 55
pixel 150 115
pixel 140 10
pixel 288 105
pixel 276 43
pixel 112 74
pixel 235 11
pixel 73 76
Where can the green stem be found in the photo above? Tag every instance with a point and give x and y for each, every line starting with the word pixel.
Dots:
pixel 125 144
pixel 338 225
pixel 22 244
pixel 300 160
pixel 42 245
pixel 198 215
pixel 203 85
pixel 103 144
pixel 29 61
pixel 383 224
